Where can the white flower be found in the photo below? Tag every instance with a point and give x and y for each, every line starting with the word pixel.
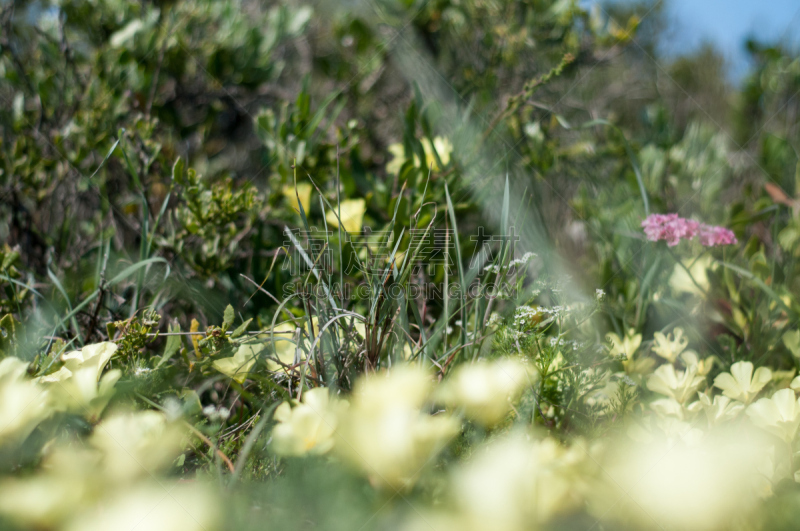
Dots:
pixel 599 295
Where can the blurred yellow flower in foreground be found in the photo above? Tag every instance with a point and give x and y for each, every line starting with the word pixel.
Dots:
pixel 23 404
pixel 109 483
pixel 352 215
pixel 514 484
pixel 741 384
pixel 308 427
pixel 136 444
pixel 707 483
pixel 779 415
pixel 80 385
pixel 485 390
pixel 152 506
pixel 385 433
pixel 238 366
pixel 679 385
pixel 517 482
pixel 96 356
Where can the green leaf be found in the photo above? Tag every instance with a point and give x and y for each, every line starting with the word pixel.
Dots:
pixel 173 345
pixel 177 170
pixel 462 284
pixel 241 329
pixel 8 338
pixel 228 317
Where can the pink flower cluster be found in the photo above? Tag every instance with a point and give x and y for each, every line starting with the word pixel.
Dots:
pixel 673 229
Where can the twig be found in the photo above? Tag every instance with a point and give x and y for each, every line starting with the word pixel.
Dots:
pixel 208 441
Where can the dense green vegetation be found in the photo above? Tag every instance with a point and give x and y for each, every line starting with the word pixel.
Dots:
pixel 383 265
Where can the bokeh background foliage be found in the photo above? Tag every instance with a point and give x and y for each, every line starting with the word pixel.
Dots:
pixel 153 153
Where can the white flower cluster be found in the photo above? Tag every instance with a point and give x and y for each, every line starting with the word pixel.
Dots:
pixel 216 414
pixel 599 295
pixel 524 314
pixel 555 341
pixel 493 268
pixel 556 311
pixel 522 261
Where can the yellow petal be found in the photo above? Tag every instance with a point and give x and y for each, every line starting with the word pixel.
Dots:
pixel 352 215
pixel 237 366
pixel 304 191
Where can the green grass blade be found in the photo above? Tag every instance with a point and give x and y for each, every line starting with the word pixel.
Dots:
pixel 463 286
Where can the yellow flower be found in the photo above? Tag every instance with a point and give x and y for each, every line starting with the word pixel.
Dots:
pixel 443 148
pixel 668 407
pixel 680 385
pixel 80 385
pixel 741 384
pixel 96 356
pixel 721 410
pixel 285 348
pixel 136 444
pixel 385 433
pixel 485 390
pixel 626 346
pixel 669 348
pixel 681 282
pixel 352 215
pixel 686 483
pixel 704 366
pixel 304 191
pixel 306 428
pixel 516 483
pixel 779 415
pixel 23 404
pixel 152 506
pixel 44 500
pixel 237 366
pixel 398 158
